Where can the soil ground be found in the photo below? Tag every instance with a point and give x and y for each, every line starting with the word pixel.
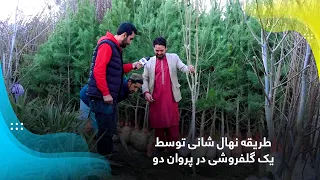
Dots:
pixel 142 168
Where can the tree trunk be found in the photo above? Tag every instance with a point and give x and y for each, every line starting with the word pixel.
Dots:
pixel 193 121
pixel 8 74
pixel 136 109
pixel 203 116
pixel 300 123
pixel 222 124
pixel 268 109
pixel 101 7
pixel 3 64
pixel 213 127
pixel 237 118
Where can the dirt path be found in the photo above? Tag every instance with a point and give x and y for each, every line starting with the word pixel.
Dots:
pixel 143 169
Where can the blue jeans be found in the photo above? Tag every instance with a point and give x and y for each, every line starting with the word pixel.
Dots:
pixel 106 117
pixel 86 113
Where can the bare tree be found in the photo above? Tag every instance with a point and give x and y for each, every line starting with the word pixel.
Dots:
pixel 285 58
pixel 23 36
pixel 101 7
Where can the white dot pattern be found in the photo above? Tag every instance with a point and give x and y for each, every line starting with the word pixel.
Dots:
pixel 17 126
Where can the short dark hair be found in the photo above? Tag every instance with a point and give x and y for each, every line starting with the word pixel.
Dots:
pixel 128 28
pixel 160 41
pixel 136 78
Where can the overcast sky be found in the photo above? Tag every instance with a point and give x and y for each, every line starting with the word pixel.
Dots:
pixel 27 7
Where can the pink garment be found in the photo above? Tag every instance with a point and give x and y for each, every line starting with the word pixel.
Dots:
pixel 163 112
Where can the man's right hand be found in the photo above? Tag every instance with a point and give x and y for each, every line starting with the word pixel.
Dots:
pixel 108 99
pixel 149 97
pixel 136 65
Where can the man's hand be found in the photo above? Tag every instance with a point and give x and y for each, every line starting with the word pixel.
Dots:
pixel 149 97
pixel 108 99
pixel 136 65
pixel 191 68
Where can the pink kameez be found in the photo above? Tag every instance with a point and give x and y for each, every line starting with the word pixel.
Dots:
pixel 163 112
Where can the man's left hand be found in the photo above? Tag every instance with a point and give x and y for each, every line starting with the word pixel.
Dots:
pixel 136 65
pixel 191 68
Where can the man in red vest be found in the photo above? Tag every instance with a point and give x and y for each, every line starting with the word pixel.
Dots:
pixel 105 82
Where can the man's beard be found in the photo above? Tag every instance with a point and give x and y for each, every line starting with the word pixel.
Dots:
pixel 123 43
pixel 160 56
